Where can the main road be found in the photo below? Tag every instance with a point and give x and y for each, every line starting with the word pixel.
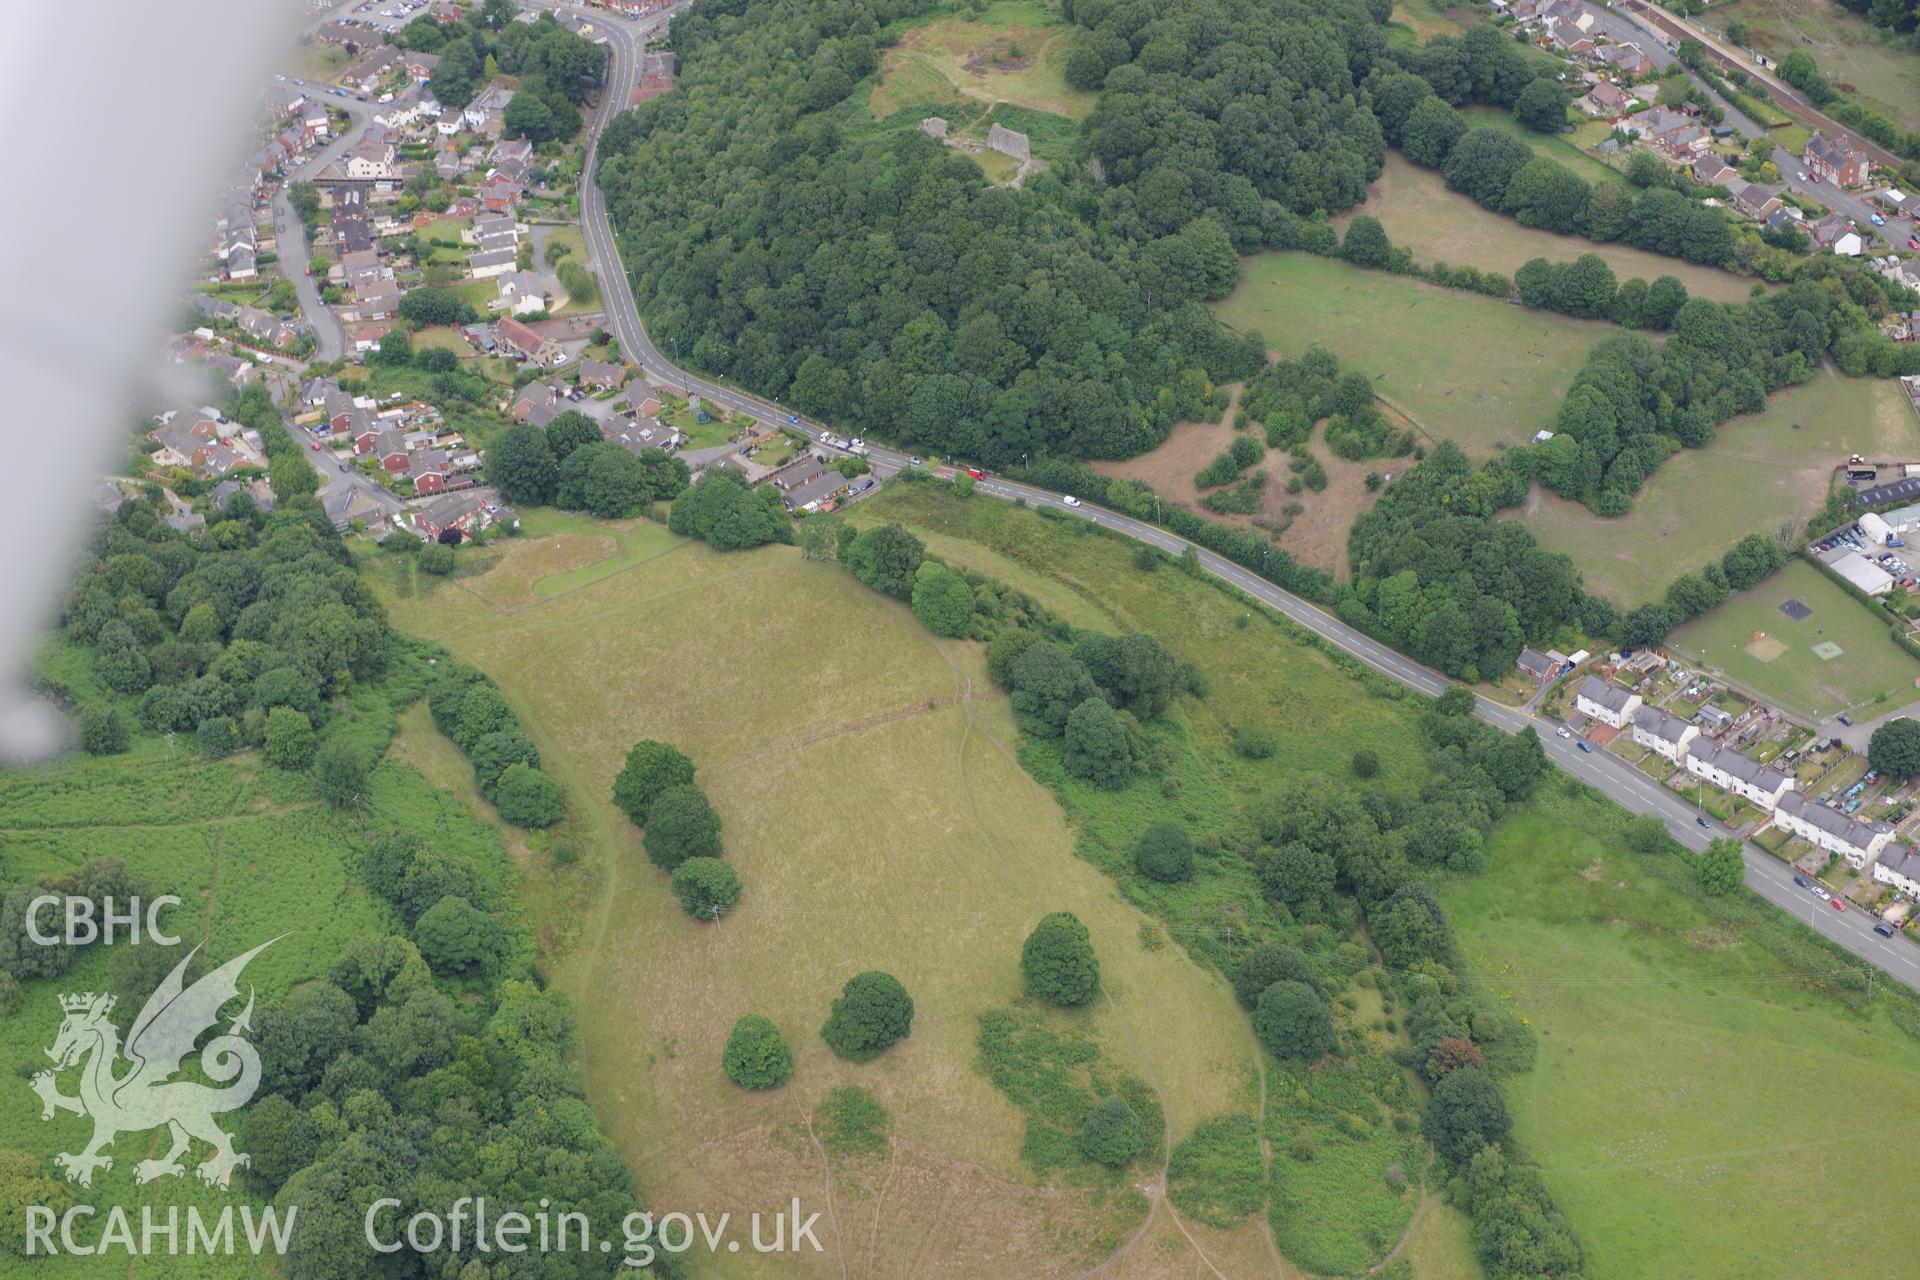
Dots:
pixel 1605 772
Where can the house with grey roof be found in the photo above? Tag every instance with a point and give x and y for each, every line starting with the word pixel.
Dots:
pixel 1606 702
pixel 1740 774
pixel 815 492
pixel 1826 828
pixel 1663 733
pixel 1899 866
pixel 1535 665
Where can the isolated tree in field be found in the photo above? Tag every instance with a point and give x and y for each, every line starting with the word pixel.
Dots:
pixel 1057 964
pixel 289 739
pixel 527 797
pixel 1894 749
pixel 681 825
pixel 1096 746
pixel 1721 869
pixel 756 1057
pixel 454 936
pixel 1165 853
pixel 1465 1113
pixel 941 599
pixel 1293 1021
pixel 1271 963
pixel 521 464
pixel 651 768
pixel 340 773
pixel 1112 1135
pixel 706 887
pixel 1365 763
pixel 872 1012
pixel 1541 107
pixel 1366 243
pixel 105 732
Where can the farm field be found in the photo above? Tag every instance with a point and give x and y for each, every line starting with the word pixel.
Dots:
pixel 873 805
pixel 1684 1097
pixel 1439 225
pixel 1851 51
pixel 1795 676
pixel 1014 51
pixel 1459 366
pixel 1764 473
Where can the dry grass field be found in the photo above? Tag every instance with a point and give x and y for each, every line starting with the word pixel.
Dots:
pixel 865 772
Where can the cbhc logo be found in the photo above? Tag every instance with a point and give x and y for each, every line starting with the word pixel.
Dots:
pixel 82 928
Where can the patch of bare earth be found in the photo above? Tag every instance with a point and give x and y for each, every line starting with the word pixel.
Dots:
pixel 1316 535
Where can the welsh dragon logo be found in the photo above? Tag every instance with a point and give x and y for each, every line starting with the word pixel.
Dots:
pixel 148 1096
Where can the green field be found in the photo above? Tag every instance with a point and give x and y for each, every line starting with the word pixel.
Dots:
pixel 877 814
pixel 1013 52
pixel 1438 225
pixel 1766 473
pixel 1551 145
pixel 1463 367
pixel 1863 59
pixel 1698 1111
pixel 1796 677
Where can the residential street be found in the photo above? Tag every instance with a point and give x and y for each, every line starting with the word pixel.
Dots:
pixel 329 338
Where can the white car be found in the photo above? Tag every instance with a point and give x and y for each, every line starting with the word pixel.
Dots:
pixel 1562 731
pixel 1071 501
pixel 1822 894
pixel 1804 178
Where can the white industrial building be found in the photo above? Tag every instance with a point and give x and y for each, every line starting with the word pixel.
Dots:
pixel 1875 529
pixel 1863 573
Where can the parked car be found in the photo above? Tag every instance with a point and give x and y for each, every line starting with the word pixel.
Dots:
pixel 1913 242
pixel 1839 903
pixel 1585 746
pixel 1803 882
pixel 1071 501
pixel 1845 719
pixel 1884 929
pixel 1876 220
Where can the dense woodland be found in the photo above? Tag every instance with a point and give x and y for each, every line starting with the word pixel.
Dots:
pixel 869 276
